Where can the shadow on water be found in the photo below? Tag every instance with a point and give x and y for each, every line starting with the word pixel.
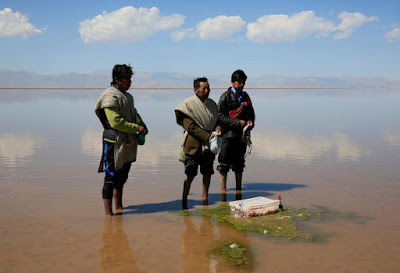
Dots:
pixel 262 187
pixel 249 190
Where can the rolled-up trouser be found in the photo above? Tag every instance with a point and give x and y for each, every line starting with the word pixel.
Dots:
pixel 231 155
pixel 205 160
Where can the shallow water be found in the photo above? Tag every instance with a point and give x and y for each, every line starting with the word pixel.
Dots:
pixel 335 149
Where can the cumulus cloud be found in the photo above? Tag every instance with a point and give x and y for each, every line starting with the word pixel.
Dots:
pixel 393 35
pixel 279 27
pixel 127 25
pixel 351 21
pixel 218 28
pixel 14 24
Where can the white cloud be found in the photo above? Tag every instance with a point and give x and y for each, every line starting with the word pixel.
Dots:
pixel 351 21
pixel 393 35
pixel 127 25
pixel 279 27
pixel 218 28
pixel 13 24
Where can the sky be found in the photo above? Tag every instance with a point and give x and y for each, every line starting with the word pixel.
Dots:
pixel 287 37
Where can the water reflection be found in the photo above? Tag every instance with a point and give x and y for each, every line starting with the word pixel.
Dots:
pixel 16 149
pixel 392 138
pixel 272 145
pixel 91 144
pixel 116 255
pixel 304 149
pixel 150 154
pixel 198 243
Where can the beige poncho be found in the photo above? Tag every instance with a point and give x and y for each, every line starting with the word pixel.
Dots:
pixel 204 114
pixel 112 97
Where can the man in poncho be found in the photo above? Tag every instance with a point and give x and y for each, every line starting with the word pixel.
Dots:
pixel 235 112
pixel 123 127
pixel 198 115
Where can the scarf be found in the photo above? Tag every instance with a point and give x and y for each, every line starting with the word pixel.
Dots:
pixel 203 114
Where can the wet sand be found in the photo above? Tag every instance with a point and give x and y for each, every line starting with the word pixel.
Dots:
pixel 52 218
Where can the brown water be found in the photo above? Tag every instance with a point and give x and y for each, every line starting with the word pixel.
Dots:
pixel 332 149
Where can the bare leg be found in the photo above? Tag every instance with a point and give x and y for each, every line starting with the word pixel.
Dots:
pixel 223 197
pixel 206 186
pixel 186 189
pixel 108 207
pixel 223 177
pixel 238 177
pixel 118 199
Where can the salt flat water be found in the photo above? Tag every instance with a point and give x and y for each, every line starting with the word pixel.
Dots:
pixel 338 149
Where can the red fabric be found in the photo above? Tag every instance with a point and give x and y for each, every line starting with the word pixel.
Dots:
pixel 246 101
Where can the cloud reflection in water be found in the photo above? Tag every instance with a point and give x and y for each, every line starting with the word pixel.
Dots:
pixel 16 149
pixel 151 153
pixel 304 149
pixel 392 138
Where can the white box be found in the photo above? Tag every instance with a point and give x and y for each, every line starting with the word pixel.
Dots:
pixel 254 206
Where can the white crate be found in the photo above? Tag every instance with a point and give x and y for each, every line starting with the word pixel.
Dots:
pixel 254 206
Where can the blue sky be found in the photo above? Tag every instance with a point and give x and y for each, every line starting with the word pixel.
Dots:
pixel 289 38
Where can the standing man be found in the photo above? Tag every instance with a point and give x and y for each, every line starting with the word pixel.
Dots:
pixel 235 112
pixel 123 127
pixel 198 115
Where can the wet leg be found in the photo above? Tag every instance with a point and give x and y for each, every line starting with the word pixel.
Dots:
pixel 118 199
pixel 238 177
pixel 108 207
pixel 206 186
pixel 186 189
pixel 223 177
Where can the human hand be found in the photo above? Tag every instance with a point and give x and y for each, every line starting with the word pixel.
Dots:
pixel 242 123
pixel 142 130
pixel 251 124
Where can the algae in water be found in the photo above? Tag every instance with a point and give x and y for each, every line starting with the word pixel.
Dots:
pixel 235 253
pixel 280 224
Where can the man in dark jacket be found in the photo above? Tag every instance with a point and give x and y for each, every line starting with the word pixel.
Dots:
pixel 235 112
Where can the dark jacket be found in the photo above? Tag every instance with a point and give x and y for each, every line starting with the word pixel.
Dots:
pixel 231 127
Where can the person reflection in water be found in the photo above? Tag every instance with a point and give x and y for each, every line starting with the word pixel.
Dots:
pixel 124 129
pixel 116 256
pixel 198 115
pixel 196 244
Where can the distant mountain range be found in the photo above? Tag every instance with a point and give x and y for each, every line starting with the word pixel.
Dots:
pixel 101 79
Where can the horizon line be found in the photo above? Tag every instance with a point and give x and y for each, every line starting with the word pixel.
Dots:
pixel 157 88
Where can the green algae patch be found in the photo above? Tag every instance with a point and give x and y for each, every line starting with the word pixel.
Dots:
pixel 234 253
pixel 280 224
